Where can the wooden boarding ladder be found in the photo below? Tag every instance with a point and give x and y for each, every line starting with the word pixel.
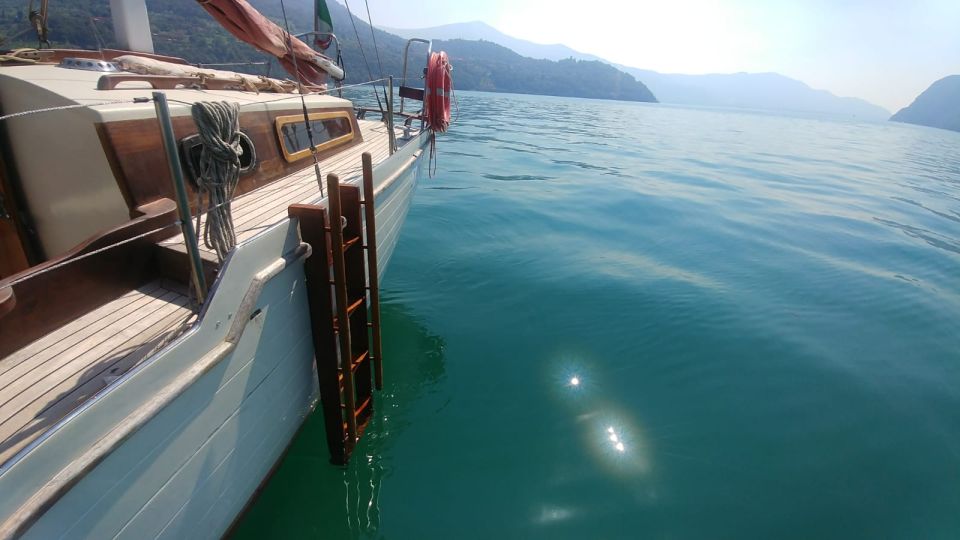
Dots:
pixel 345 321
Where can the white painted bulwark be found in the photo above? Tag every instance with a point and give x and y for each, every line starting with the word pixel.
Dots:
pixel 131 25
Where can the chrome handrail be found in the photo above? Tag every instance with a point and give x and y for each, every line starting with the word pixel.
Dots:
pixel 406 52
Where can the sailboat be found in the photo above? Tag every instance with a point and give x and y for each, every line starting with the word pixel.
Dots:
pixel 189 266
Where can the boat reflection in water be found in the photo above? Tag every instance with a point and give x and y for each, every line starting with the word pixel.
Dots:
pixel 308 497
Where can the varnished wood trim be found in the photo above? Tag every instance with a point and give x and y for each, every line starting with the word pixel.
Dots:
pixel 115 167
pixel 19 245
pixel 133 149
pixel 281 121
pixel 8 301
pixel 50 295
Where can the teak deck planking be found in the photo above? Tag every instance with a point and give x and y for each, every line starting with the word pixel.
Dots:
pixel 36 390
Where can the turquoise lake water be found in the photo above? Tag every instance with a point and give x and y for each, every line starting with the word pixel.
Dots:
pixel 761 315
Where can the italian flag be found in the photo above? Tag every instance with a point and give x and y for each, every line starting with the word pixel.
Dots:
pixel 323 24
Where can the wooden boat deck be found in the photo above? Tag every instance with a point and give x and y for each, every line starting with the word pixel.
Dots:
pixel 262 208
pixel 48 379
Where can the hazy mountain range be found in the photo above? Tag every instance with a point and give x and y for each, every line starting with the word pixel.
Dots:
pixel 484 65
pixel 477 30
pixel 938 106
pixel 768 91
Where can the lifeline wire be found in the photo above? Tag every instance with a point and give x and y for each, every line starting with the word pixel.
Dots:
pixel 90 254
pixel 77 106
pixel 303 101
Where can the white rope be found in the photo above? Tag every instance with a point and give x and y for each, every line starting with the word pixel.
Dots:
pixel 218 125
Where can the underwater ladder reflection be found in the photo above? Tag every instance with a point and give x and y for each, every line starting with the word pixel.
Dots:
pixel 307 497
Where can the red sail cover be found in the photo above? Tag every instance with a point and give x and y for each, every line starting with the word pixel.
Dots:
pixel 245 22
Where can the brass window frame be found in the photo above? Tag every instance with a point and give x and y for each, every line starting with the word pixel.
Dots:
pixel 281 121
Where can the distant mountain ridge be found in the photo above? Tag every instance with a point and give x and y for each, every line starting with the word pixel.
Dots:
pixel 503 56
pixel 486 66
pixel 768 91
pixel 477 30
pixel 938 106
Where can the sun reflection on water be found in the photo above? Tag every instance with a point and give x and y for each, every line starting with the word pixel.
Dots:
pixel 612 436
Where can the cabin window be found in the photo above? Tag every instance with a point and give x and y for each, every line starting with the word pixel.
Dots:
pixel 330 129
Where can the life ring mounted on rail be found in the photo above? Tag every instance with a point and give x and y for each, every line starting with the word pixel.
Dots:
pixel 439 89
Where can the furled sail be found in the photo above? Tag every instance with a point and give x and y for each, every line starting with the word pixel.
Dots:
pixel 246 23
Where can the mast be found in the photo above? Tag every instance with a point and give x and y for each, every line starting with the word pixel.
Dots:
pixel 131 25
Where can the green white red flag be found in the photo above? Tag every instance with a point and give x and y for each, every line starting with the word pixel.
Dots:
pixel 323 24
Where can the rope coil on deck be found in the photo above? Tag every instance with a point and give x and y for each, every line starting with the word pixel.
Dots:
pixel 218 125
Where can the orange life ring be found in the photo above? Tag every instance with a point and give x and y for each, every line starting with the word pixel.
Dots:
pixel 439 88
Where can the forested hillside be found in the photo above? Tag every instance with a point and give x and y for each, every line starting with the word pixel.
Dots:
pixel 182 28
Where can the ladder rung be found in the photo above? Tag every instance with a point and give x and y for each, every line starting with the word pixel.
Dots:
pixel 354 306
pixel 353 366
pixel 350 242
pixel 363 405
pixel 359 360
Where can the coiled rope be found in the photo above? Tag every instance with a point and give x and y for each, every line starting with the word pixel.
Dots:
pixel 218 125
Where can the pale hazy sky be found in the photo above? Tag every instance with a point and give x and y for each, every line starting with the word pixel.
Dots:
pixel 884 51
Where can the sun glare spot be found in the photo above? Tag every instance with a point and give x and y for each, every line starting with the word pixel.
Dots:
pixel 574 381
pixel 619 446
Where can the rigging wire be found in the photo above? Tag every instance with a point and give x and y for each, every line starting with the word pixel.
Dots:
pixel 96 33
pixel 373 35
pixel 303 101
pixel 362 54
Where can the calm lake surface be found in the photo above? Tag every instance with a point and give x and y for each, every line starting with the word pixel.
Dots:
pixel 621 320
